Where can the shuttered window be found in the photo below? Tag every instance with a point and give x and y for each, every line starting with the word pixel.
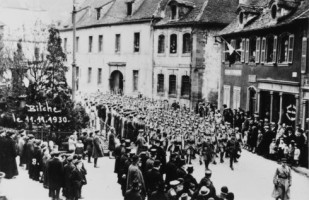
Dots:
pixel 243 50
pixel 258 49
pixel 263 50
pixel 291 48
pixel 247 51
pixel 226 95
pixel 304 55
pixel 236 97
pixel 275 49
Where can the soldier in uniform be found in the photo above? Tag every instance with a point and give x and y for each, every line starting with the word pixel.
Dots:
pixel 233 148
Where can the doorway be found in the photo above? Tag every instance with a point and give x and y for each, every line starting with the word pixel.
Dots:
pixel 116 82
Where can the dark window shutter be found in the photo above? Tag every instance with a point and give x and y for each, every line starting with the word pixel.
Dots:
pixel 247 51
pixel 243 44
pixel 275 49
pixel 291 48
pixel 258 48
pixel 263 50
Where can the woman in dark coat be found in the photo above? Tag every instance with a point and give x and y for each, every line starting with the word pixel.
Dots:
pixel 9 162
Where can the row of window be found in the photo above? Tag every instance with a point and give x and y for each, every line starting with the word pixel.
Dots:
pixel 186 44
pixel 136 43
pixel 227 96
pixel 269 49
pixel 172 88
pixel 173 46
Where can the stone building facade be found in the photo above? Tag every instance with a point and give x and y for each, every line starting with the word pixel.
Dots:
pixel 269 74
pixel 177 58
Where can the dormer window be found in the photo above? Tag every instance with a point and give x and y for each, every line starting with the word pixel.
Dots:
pixel 129 8
pixel 98 13
pixel 174 12
pixel 241 18
pixel 274 11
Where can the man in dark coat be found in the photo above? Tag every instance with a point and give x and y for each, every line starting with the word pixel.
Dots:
pixel 29 150
pixel 181 172
pixel 154 177
pixel 9 166
pixel 233 147
pixel 134 193
pixel 2 154
pixel 55 174
pixel 130 129
pixel 68 186
pixel 171 170
pixel 97 148
pixel 78 179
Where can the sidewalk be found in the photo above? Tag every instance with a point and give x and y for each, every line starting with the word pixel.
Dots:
pixel 301 170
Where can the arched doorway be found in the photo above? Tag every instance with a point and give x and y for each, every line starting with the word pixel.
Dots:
pixel 116 82
pixel 252 100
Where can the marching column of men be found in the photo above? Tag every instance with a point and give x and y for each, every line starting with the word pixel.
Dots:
pixel 149 131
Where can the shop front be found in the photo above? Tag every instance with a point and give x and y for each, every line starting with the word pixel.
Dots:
pixel 278 101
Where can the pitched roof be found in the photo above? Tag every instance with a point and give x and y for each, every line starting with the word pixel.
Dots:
pixel 114 12
pixel 205 11
pixel 264 20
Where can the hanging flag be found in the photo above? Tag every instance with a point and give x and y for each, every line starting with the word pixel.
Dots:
pixel 26 82
pixel 231 49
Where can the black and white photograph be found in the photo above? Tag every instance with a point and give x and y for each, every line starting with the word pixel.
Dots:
pixel 154 99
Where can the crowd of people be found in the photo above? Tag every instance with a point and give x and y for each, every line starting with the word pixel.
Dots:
pixel 271 140
pixel 44 163
pixel 154 145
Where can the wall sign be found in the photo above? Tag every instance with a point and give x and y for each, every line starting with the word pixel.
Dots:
pixel 229 72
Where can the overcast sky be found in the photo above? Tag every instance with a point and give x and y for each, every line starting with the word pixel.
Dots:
pixel 58 9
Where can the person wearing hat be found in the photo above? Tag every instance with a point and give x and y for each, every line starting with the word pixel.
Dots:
pixel 36 161
pixel 135 192
pixel 21 147
pixel 223 193
pixel 134 173
pixel 29 148
pixel 151 159
pixel 123 169
pixel 172 192
pixel 154 178
pixel 233 147
pixel 282 181
pixel 97 151
pixel 202 194
pixel 78 180
pixel 190 183
pixel 171 169
pixel 89 146
pixel 68 169
pixel 9 165
pixel 55 174
pixel 181 172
